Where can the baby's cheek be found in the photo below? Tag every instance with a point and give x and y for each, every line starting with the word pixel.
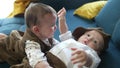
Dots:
pixel 93 46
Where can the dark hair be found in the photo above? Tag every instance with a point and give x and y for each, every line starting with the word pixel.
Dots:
pixel 35 11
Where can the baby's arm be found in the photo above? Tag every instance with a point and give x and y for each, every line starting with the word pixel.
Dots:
pixel 35 56
pixel 85 58
pixel 63 28
pixel 80 57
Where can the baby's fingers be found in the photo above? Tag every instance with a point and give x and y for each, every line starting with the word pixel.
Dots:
pixel 63 9
pixel 80 65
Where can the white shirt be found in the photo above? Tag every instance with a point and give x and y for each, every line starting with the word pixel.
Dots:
pixel 34 53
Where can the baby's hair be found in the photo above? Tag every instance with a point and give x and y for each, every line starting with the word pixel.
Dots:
pixel 35 12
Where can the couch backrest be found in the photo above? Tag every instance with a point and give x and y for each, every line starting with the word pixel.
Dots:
pixel 68 4
pixel 108 16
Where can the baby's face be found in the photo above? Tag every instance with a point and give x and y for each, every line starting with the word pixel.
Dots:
pixel 92 39
pixel 47 26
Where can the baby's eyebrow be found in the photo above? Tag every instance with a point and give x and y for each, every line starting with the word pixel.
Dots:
pixel 87 33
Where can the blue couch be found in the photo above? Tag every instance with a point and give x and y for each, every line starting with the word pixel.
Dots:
pixel 108 18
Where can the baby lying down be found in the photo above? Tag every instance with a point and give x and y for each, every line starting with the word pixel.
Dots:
pixel 63 52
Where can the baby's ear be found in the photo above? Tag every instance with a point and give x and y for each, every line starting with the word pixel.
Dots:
pixel 35 29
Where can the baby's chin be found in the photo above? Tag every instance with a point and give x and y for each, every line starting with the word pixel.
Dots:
pixel 52 36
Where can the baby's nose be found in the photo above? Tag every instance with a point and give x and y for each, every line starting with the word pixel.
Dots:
pixel 86 41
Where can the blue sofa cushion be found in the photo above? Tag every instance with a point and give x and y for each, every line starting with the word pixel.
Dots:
pixel 9 24
pixel 23 28
pixel 116 35
pixel 8 28
pixel 109 15
pixel 14 20
pixel 110 59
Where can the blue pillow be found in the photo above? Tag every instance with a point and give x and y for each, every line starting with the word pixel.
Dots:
pixel 22 28
pixel 9 24
pixel 116 34
pixel 8 28
pixel 14 20
pixel 108 16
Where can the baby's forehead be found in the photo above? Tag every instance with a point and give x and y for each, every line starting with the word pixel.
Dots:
pixel 96 34
pixel 93 31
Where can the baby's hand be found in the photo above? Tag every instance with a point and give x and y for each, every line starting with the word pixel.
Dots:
pixel 2 36
pixel 79 56
pixel 62 13
pixel 43 64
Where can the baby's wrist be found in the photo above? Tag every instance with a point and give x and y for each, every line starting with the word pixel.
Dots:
pixel 89 61
pixel 42 64
pixel 62 18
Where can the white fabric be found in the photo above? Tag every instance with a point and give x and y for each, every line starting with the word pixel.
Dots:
pixel 65 36
pixel 48 43
pixel 55 42
pixel 63 52
pixel 34 53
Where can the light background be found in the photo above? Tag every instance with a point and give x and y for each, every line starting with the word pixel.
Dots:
pixel 6 7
